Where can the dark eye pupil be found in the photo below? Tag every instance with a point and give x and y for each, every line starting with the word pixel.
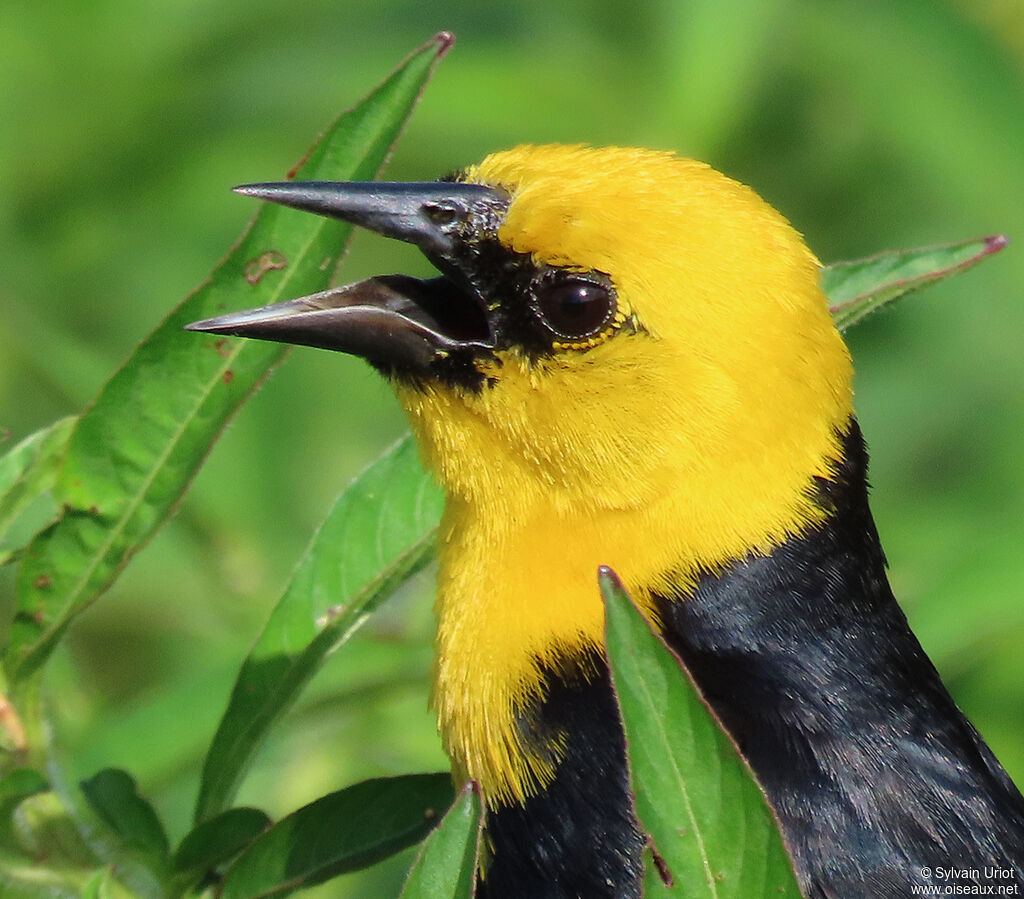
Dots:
pixel 575 308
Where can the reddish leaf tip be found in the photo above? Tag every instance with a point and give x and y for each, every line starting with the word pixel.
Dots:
pixel 995 243
pixel 608 579
pixel 445 40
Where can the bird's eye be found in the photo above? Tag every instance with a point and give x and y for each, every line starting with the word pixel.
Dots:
pixel 575 307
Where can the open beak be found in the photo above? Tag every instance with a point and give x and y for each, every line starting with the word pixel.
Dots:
pixel 396 322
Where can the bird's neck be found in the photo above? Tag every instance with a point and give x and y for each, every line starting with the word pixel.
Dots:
pixel 518 586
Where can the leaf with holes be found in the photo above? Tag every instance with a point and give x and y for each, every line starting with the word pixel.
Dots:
pixel 135 451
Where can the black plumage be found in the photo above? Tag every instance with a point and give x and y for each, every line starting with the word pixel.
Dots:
pixel 578 839
pixel 876 776
pixel 874 772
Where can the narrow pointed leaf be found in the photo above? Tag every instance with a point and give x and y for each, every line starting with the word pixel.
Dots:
pixel 379 533
pixel 856 289
pixel 446 865
pixel 134 452
pixel 344 831
pixel 27 471
pixel 706 815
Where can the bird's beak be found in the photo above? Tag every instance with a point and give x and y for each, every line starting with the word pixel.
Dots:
pixel 396 322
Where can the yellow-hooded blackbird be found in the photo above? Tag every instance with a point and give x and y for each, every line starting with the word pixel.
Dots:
pixel 627 360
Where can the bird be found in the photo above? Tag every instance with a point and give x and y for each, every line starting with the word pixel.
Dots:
pixel 626 359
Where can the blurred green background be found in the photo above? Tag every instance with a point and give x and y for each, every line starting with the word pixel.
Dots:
pixel 872 125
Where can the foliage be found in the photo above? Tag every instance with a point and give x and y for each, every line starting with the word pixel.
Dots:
pixel 72 828
pixel 112 476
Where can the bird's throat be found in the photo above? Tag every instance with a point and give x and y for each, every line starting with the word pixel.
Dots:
pixel 518 597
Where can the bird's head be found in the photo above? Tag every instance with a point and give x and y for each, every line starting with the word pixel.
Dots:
pixel 626 359
pixel 607 324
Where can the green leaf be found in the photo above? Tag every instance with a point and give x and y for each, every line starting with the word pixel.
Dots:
pixel 27 471
pixel 379 532
pixel 135 451
pixel 219 839
pixel 856 289
pixel 340 832
pixel 133 839
pixel 446 865
pixel 114 796
pixel 696 798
